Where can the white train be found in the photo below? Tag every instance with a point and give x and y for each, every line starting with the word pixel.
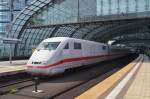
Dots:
pixel 55 55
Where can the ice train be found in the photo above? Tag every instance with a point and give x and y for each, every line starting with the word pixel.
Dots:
pixel 55 55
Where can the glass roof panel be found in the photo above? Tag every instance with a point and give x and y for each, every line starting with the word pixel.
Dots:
pixel 41 5
pixel 27 11
pixel 46 1
pixel 37 3
pixel 32 7
pixel 64 31
pixel 18 21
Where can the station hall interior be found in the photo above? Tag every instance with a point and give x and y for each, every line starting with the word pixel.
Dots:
pixel 124 24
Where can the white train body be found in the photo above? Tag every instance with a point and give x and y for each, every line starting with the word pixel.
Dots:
pixel 55 55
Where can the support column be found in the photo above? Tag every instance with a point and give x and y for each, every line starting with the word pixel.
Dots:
pixel 78 11
pixel 118 9
pixel 109 7
pixel 136 6
pixel 127 6
pixel 146 5
pixel 101 7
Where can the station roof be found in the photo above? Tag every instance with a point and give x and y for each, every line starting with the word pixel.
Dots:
pixel 31 29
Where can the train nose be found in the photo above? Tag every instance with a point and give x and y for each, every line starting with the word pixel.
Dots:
pixel 45 72
pixel 40 56
pixel 37 71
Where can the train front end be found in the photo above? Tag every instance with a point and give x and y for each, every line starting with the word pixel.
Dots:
pixel 39 62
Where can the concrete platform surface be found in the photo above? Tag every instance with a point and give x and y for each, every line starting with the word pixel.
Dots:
pixel 17 66
pixel 140 87
pixel 114 86
pixel 14 63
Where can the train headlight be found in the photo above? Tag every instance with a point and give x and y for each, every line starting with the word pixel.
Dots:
pixel 36 62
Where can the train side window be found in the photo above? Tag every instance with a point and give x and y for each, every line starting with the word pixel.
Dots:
pixel 66 46
pixel 77 45
pixel 104 47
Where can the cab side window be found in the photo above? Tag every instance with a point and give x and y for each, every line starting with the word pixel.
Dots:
pixel 66 46
pixel 77 46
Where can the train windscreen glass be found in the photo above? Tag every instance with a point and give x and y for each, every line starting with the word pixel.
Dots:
pixel 48 45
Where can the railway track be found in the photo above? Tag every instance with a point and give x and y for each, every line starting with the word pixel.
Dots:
pixel 12 78
pixel 14 82
pixel 58 95
pixel 73 82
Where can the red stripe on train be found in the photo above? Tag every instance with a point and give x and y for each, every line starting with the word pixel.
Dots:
pixel 71 60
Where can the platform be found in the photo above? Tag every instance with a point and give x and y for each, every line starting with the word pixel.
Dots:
pixel 17 66
pixel 140 86
pixel 131 82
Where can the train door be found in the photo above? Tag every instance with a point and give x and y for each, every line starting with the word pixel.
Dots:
pixel 66 50
pixel 77 49
pixel 86 49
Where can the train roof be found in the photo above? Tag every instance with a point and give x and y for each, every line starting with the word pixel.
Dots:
pixel 59 39
pixel 55 39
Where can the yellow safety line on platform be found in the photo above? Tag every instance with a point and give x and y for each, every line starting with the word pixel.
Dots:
pixel 102 87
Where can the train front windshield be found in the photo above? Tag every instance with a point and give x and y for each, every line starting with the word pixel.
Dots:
pixel 48 45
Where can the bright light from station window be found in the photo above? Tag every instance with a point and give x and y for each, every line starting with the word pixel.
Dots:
pixel 121 45
pixel 110 42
